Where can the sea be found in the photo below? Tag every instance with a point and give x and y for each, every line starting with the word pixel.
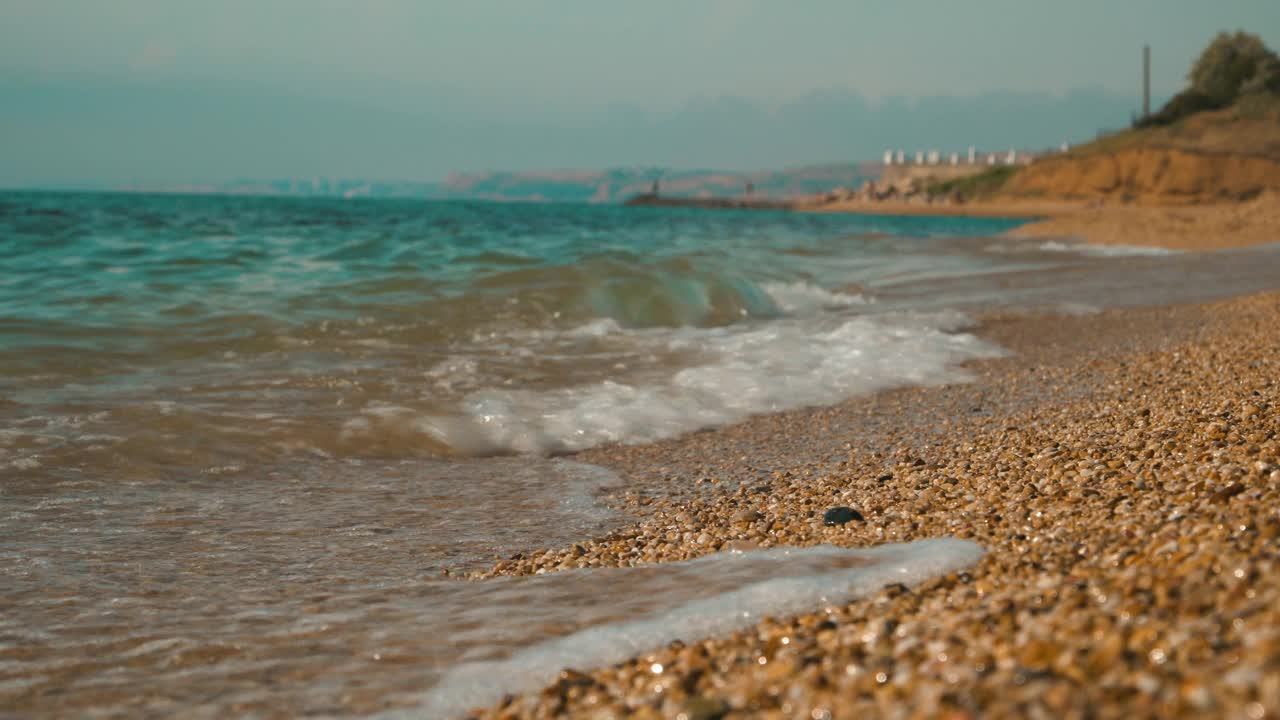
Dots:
pixel 241 438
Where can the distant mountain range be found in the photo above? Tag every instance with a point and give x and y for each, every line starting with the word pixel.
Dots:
pixel 56 131
pixel 308 187
pixel 567 186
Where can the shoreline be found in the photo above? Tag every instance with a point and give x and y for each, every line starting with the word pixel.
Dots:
pixel 1178 227
pixel 1100 476
pixel 1185 227
pixel 1017 210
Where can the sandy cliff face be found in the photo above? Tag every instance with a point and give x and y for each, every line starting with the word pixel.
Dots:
pixel 1149 175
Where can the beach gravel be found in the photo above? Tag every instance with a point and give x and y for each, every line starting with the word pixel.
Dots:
pixel 1122 471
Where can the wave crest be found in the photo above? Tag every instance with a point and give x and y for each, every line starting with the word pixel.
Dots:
pixel 782 365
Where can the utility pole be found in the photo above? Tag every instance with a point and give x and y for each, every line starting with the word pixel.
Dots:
pixel 1146 81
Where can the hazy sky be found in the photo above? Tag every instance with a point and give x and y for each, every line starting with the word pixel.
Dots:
pixel 85 85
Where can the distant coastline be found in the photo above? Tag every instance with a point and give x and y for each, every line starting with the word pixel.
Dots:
pixel 710 203
pixel 1030 211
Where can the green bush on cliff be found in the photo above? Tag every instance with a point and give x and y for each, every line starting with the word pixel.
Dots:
pixel 973 187
pixel 1186 103
pixel 1234 64
pixel 1266 79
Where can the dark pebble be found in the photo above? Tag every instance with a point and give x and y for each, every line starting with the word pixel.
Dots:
pixel 840 516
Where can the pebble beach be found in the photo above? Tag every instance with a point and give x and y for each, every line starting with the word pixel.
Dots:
pixel 864 465
pixel 1121 469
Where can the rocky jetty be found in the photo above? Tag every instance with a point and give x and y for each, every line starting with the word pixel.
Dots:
pixel 710 203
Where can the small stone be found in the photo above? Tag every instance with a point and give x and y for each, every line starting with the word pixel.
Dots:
pixel 1269 528
pixel 1038 654
pixel 574 678
pixel 840 516
pixel 746 517
pixel 703 708
pixel 1228 492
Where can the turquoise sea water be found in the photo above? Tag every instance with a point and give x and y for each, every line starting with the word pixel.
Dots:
pixel 279 326
pixel 75 263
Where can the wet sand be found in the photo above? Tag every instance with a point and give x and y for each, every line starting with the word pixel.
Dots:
pixel 1122 470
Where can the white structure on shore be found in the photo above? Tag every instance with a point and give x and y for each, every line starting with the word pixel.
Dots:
pixel 935 157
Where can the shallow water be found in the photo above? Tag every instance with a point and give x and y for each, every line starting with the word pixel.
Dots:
pixel 241 437
pixel 299 632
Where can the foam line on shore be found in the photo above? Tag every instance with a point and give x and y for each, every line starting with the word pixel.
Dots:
pixel 828 575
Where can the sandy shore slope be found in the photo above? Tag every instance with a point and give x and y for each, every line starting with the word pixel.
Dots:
pixel 1189 227
pixel 1196 227
pixel 1122 470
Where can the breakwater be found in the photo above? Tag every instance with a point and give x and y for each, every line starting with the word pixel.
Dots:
pixel 711 203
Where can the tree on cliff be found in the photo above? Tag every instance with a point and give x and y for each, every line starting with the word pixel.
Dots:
pixel 1265 79
pixel 1230 61
pixel 1234 64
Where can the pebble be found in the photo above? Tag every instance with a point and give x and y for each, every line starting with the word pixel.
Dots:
pixel 840 516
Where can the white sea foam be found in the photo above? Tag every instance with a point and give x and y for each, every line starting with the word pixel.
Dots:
pixel 769 367
pixel 631 611
pixel 1104 250
pixel 1017 246
pixel 799 297
pixel 1077 309
pixel 596 328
